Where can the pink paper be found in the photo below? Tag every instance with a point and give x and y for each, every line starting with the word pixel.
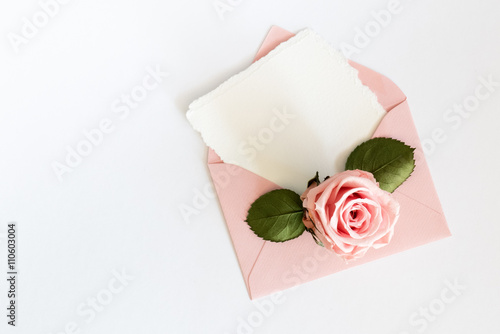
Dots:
pixel 268 267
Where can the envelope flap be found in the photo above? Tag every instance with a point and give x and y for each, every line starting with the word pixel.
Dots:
pixel 236 189
pixel 275 37
pixel 398 124
pixel 388 94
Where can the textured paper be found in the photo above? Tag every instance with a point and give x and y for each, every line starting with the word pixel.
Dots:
pixel 298 110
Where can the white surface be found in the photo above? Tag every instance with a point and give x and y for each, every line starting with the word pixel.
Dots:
pixel 299 110
pixel 119 208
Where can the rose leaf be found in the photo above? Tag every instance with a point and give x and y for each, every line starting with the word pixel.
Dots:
pixel 277 216
pixel 389 160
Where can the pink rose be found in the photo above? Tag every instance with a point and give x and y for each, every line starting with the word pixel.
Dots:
pixel 349 213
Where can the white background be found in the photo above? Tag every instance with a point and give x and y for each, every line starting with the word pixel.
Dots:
pixel 119 209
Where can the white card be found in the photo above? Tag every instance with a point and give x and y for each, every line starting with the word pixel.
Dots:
pixel 298 110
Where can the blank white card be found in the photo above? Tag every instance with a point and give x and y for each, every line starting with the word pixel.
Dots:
pixel 298 110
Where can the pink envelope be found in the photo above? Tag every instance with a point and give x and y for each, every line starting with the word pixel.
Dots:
pixel 269 267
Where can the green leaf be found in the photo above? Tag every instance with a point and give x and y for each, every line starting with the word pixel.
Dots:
pixel 277 216
pixel 389 160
